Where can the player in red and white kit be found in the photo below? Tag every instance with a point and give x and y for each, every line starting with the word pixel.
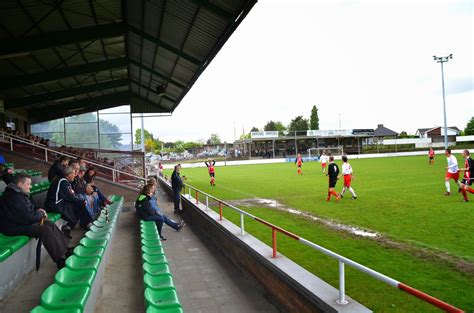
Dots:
pixel 299 163
pixel 324 161
pixel 212 172
pixel 452 171
pixel 347 173
pixel 431 155
pixel 468 177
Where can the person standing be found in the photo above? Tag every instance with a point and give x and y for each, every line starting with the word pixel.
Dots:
pixel 431 155
pixel 452 171
pixel 324 160
pixel 468 177
pixel 347 172
pixel 177 186
pixel 212 171
pixel 299 163
pixel 56 171
pixel 333 173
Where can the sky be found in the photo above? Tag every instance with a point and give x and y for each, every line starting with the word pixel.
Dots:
pixel 369 61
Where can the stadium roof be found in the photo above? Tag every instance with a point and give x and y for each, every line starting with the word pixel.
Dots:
pixel 60 58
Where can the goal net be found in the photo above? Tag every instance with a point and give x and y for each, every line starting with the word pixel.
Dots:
pixel 334 151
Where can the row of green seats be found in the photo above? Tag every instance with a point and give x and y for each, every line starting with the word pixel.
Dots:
pixel 160 292
pixel 72 284
pixel 11 244
pixel 40 187
pixel 29 172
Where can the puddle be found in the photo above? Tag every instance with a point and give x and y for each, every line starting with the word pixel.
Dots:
pixel 274 204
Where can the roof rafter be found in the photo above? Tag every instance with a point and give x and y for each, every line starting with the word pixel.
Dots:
pixel 42 77
pixel 66 93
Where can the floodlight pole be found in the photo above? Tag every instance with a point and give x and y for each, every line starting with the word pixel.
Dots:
pixel 442 60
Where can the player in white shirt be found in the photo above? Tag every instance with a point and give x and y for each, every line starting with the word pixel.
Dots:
pixel 347 173
pixel 452 171
pixel 324 160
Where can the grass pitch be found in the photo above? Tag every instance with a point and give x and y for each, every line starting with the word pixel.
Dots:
pixel 427 239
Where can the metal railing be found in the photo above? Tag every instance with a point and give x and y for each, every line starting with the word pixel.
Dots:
pixel 342 261
pixel 47 153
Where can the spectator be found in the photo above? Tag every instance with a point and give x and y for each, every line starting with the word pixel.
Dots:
pixel 91 201
pixel 177 186
pixel 56 171
pixel 61 198
pixel 89 177
pixel 79 183
pixel 147 209
pixel 6 174
pixel 82 162
pixel 160 169
pixel 19 216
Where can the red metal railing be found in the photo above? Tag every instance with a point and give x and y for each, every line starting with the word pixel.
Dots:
pixel 341 259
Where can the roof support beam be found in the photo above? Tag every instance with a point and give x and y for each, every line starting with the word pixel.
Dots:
pixel 151 90
pixel 164 45
pixel 72 107
pixel 37 78
pixel 66 93
pixel 155 72
pixel 215 9
pixel 61 38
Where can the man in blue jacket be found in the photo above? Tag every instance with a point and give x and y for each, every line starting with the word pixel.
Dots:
pixel 19 216
pixel 177 186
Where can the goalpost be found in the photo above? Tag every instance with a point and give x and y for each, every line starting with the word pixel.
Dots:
pixel 334 151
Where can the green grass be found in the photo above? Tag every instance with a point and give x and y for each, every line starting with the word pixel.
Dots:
pixel 401 198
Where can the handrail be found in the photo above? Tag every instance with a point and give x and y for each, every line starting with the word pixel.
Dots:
pixel 341 259
pixel 47 149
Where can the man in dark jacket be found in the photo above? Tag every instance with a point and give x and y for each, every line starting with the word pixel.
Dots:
pixel 57 169
pixel 19 216
pixel 333 173
pixel 61 198
pixel 147 210
pixel 177 186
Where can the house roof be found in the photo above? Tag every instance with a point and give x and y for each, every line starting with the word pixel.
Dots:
pixel 382 131
pixel 60 58
pixel 425 130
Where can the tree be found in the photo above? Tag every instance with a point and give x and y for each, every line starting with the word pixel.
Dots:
pixel 314 118
pixel 149 145
pixel 403 134
pixel 274 126
pixel 469 130
pixel 254 129
pixel 298 123
pixel 214 139
pixel 138 136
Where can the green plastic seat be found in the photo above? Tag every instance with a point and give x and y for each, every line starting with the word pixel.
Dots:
pixel 152 242
pixel 56 297
pixel 149 236
pixel 86 252
pixel 100 228
pixel 4 253
pixel 40 309
pixel 152 250
pixel 76 263
pixel 87 242
pixel 94 235
pixel 149 231
pixel 162 282
pixel 154 259
pixel 13 242
pixel 156 269
pixel 103 224
pixel 53 217
pixel 71 278
pixel 162 299
pixel 152 309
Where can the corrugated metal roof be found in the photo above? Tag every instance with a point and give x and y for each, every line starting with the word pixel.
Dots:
pixel 84 55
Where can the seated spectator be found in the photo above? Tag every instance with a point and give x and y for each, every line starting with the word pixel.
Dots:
pixel 61 198
pixel 19 216
pixel 148 210
pixel 89 177
pixel 6 174
pixel 90 198
pixel 92 201
pixel 56 171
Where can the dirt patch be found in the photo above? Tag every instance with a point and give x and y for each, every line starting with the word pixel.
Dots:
pixel 430 254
